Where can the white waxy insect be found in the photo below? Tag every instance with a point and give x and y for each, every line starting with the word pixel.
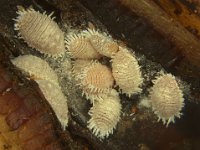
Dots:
pixel 56 99
pixel 78 46
pixel 126 72
pixel 35 67
pixel 166 98
pixel 40 32
pixel 103 43
pixel 95 79
pixel 105 115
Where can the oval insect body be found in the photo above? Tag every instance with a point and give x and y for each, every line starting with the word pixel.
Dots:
pixel 105 115
pixel 35 67
pixel 95 79
pixel 166 98
pixel 40 32
pixel 126 72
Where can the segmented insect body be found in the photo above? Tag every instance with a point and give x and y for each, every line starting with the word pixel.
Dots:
pixel 126 72
pixel 95 79
pixel 35 67
pixel 166 98
pixel 78 67
pixel 103 43
pixel 56 99
pixel 80 47
pixel 105 115
pixel 40 32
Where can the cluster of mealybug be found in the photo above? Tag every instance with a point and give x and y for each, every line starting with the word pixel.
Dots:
pixel 94 79
pixel 40 32
pixel 97 80
pixel 125 69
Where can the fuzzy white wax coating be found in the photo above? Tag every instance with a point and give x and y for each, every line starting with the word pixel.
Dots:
pixel 166 98
pixel 40 32
pixel 56 99
pixel 95 79
pixel 35 67
pixel 126 72
pixel 105 115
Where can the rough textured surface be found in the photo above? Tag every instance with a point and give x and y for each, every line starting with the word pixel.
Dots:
pixel 78 46
pixel 138 127
pixel 40 32
pixel 126 72
pixel 105 115
pixel 166 98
